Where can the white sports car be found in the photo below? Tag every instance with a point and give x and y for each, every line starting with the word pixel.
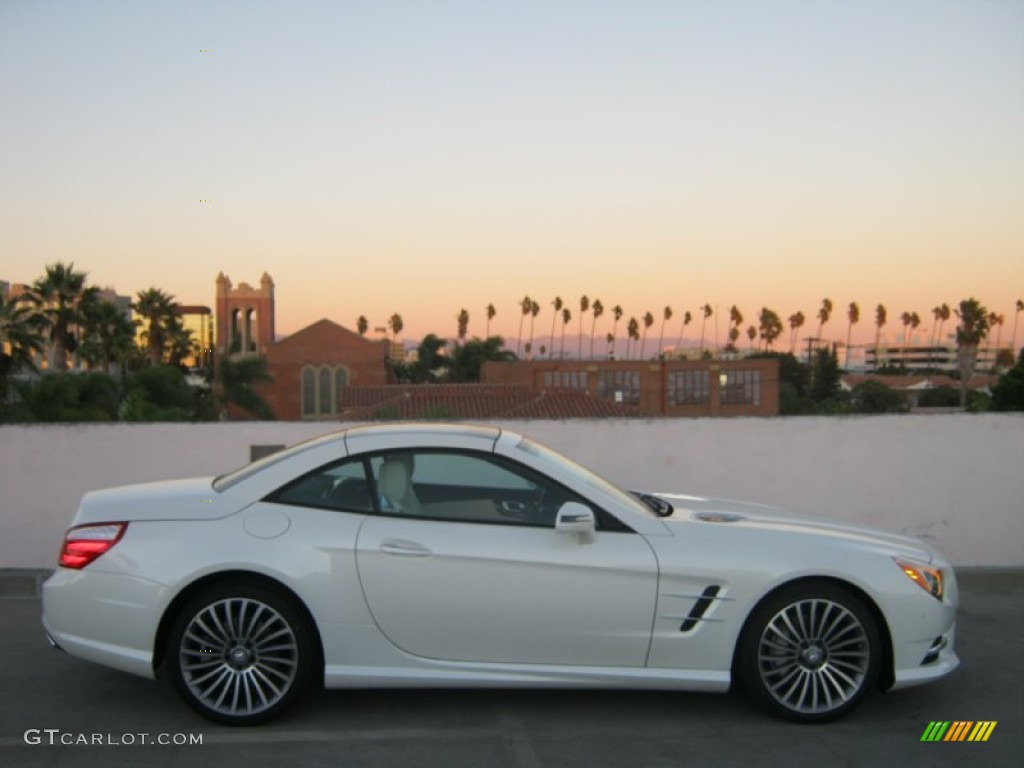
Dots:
pixel 428 555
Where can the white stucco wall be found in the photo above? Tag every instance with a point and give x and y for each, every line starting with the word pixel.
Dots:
pixel 956 480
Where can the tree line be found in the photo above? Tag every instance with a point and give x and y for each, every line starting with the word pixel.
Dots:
pixel 766 328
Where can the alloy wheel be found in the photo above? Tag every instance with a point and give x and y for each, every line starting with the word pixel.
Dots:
pixel 814 656
pixel 238 657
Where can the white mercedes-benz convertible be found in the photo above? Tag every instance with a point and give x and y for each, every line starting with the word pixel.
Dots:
pixel 448 556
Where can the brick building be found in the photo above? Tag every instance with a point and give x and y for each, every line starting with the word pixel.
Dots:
pixel 745 387
pixel 472 401
pixel 313 367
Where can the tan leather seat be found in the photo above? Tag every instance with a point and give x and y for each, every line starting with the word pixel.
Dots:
pixel 395 486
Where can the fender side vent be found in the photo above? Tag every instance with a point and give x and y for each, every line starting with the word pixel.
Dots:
pixel 700 607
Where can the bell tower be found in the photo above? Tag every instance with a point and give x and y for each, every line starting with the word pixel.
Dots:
pixel 245 316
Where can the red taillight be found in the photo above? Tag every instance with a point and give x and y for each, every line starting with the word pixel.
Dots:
pixel 85 543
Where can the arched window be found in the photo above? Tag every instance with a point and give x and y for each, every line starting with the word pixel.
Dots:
pixel 340 382
pixel 308 392
pixel 325 392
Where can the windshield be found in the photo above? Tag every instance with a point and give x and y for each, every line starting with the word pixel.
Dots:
pixel 585 476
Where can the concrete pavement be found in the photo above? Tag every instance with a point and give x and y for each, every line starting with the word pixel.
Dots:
pixel 46 690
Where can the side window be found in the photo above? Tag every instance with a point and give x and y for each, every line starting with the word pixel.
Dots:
pixel 474 488
pixel 336 486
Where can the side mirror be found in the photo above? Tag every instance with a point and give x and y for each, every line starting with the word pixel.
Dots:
pixel 574 517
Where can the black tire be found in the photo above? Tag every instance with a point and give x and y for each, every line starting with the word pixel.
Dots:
pixel 810 653
pixel 260 653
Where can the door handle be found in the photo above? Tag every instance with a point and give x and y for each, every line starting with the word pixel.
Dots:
pixel 404 549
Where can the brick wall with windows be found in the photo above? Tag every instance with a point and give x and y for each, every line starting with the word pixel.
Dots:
pixel 311 367
pixel 745 387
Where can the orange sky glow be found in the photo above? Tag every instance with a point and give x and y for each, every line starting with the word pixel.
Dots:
pixel 422 160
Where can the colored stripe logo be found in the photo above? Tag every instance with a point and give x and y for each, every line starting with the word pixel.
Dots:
pixel 959 730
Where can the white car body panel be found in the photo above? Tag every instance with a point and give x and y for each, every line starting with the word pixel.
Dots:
pixel 548 598
pixel 406 602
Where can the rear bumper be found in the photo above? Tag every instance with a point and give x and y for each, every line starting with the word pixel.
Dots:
pixel 107 618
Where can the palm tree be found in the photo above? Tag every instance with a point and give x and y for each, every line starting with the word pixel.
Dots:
pixel 936 316
pixel 853 317
pixel 108 335
pixel 491 312
pixel 751 335
pixel 584 306
pixel 524 309
pixel 910 320
pixel 796 322
pixel 1013 340
pixel 362 325
pixel 596 311
pixel 617 314
pixel 648 322
pixel 707 312
pixel 880 318
pixel 463 323
pixel 770 326
pixel 905 318
pixel 666 315
pixel 735 320
pixel 610 338
pixel 557 304
pixel 995 319
pixel 566 317
pixel 396 325
pixel 60 295
pixel 534 311
pixel 21 338
pixel 235 382
pixel 824 314
pixel 633 335
pixel 941 314
pixel 687 319
pixel 970 333
pixel 156 308
pixel 180 343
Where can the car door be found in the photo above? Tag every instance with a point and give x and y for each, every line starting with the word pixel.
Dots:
pixel 469 567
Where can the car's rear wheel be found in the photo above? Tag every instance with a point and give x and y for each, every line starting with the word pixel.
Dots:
pixel 240 654
pixel 810 653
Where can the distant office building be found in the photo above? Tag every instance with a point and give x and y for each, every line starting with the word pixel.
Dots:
pixel 925 357
pixel 199 321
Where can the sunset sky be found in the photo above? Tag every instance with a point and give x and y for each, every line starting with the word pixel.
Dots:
pixel 421 157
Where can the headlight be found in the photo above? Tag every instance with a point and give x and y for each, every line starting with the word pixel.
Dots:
pixel 927 577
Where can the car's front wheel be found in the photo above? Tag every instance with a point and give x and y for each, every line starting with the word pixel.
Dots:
pixel 810 653
pixel 240 654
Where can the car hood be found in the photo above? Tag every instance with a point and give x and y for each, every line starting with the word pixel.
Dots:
pixel 192 499
pixel 690 510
